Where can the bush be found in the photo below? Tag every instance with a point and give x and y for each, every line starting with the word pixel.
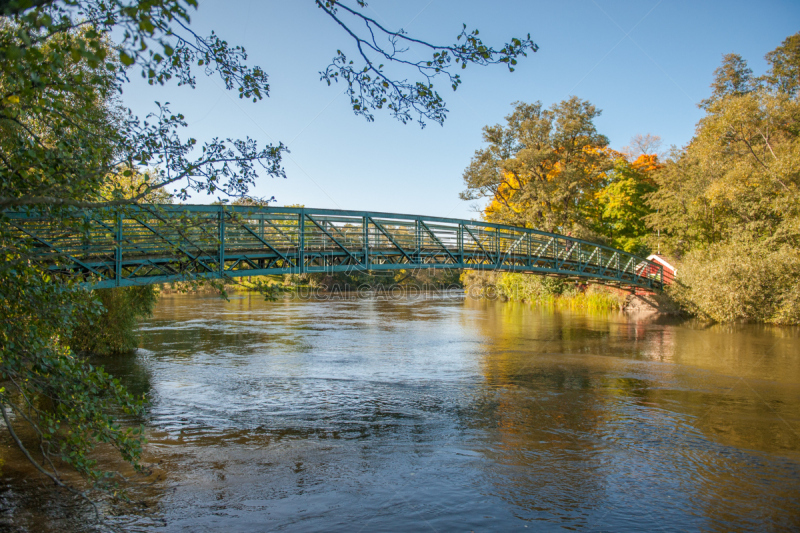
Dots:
pixel 531 287
pixel 112 329
pixel 741 280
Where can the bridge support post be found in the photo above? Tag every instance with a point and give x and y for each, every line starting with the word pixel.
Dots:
pixel 528 261
pixel 418 240
pixel 497 247
pixel 365 236
pixel 221 240
pixel 301 241
pixel 460 238
pixel 118 250
pixel 261 234
pixel 556 261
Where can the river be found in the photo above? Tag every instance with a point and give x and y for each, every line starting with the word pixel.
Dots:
pixel 452 414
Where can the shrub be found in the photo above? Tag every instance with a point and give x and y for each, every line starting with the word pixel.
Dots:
pixel 741 280
pixel 112 329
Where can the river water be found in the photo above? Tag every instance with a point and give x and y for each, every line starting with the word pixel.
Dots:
pixel 446 413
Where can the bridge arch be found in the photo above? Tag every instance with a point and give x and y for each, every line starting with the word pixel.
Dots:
pixel 146 244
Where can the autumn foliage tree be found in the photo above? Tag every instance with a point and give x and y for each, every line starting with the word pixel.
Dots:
pixel 541 167
pixel 729 203
pixel 619 209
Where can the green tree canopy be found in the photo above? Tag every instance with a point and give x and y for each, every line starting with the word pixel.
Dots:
pixel 784 66
pixel 741 174
pixel 732 78
pixel 619 210
pixel 729 203
pixel 539 169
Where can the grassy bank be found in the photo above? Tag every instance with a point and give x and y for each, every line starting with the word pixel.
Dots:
pixel 545 291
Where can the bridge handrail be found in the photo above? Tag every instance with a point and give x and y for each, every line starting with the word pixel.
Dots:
pixel 209 208
pixel 636 263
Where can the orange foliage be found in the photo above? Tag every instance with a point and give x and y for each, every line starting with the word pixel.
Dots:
pixel 504 198
pixel 647 163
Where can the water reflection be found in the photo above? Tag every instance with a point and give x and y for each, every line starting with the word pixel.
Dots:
pixel 707 440
pixel 460 414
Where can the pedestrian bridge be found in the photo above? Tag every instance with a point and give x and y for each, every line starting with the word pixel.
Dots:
pixel 145 244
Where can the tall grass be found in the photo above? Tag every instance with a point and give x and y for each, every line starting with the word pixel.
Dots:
pixel 543 291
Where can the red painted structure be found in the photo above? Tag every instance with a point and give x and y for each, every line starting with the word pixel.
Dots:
pixel 670 272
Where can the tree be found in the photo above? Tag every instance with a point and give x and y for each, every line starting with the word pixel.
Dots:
pixel 67 143
pixel 61 78
pixel 681 214
pixel 370 87
pixel 784 70
pixel 745 152
pixel 620 205
pixel 158 41
pixel 732 78
pixel 642 145
pixel 738 176
pixel 742 279
pixel 541 167
pixel 730 201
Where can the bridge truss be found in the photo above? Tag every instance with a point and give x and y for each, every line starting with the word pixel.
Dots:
pixel 162 243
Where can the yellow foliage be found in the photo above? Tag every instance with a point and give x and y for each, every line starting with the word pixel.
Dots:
pixel 505 198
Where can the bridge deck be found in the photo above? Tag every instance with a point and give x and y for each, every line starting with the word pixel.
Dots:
pixel 156 244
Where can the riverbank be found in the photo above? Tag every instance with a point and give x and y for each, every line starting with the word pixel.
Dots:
pixel 558 293
pixel 555 293
pixel 652 304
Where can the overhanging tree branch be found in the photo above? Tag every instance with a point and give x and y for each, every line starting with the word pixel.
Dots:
pixel 370 88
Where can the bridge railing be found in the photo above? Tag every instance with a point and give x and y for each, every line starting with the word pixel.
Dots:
pixel 158 243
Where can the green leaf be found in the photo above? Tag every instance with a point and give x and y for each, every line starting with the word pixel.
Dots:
pixel 125 58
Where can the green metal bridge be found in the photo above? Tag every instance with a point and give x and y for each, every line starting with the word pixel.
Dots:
pixel 147 244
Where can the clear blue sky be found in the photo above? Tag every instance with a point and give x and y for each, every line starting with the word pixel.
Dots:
pixel 645 63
